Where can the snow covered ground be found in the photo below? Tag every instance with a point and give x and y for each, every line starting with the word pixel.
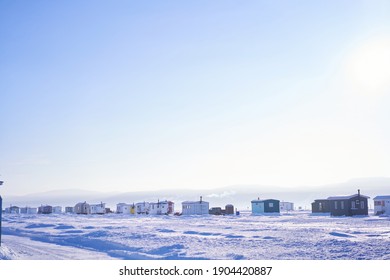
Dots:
pixel 298 235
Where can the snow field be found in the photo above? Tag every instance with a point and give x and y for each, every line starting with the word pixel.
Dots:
pixel 296 235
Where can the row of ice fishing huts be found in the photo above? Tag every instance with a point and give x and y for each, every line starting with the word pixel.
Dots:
pixel 166 207
pixel 79 208
pixel 141 208
pixel 356 204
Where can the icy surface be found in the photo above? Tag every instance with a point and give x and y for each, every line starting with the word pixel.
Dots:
pixel 298 235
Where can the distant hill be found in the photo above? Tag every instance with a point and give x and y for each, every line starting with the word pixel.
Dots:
pixel 238 195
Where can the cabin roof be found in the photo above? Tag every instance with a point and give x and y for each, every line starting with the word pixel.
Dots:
pixel 194 202
pixel 382 197
pixel 342 197
pixel 98 204
pixel 160 202
pixel 263 200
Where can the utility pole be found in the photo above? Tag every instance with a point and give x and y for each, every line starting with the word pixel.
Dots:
pixel 1 211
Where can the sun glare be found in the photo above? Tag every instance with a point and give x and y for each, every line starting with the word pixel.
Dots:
pixel 368 68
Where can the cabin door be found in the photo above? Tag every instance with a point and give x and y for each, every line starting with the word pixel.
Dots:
pixel 261 207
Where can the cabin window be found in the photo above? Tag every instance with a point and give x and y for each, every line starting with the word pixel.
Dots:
pixel 342 204
pixel 271 204
pixel 362 205
pixel 353 206
pixel 335 205
pixel 377 203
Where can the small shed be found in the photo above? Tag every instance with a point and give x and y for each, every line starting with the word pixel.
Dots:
pixel 45 209
pixel 82 208
pixel 99 208
pixel 320 206
pixel 382 205
pixel 125 208
pixel 286 206
pixel 161 207
pixel 349 205
pixel 57 210
pixel 69 209
pixel 195 207
pixel 216 211
pixel 28 210
pixel 142 208
pixel 229 209
pixel 12 210
pixel 265 206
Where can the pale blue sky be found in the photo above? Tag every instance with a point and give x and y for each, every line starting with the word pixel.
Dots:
pixel 146 95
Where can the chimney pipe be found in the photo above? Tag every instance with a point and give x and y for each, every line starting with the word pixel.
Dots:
pixel 200 199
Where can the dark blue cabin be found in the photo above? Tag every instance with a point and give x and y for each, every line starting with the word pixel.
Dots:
pixel 320 206
pixel 351 205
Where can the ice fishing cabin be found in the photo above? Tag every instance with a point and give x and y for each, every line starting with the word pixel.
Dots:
pixel 28 210
pixel 350 205
pixel 265 206
pixel 82 208
pixel 99 208
pixel 216 211
pixel 142 208
pixel 57 209
pixel 125 208
pixel 382 205
pixel 229 210
pixel 286 206
pixel 12 210
pixel 195 207
pixel 45 209
pixel 69 209
pixel 161 207
pixel 320 206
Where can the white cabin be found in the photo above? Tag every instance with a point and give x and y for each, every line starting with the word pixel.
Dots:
pixel 286 206
pixel 142 208
pixel 382 205
pixel 161 208
pixel 124 208
pixel 195 207
pixel 99 208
